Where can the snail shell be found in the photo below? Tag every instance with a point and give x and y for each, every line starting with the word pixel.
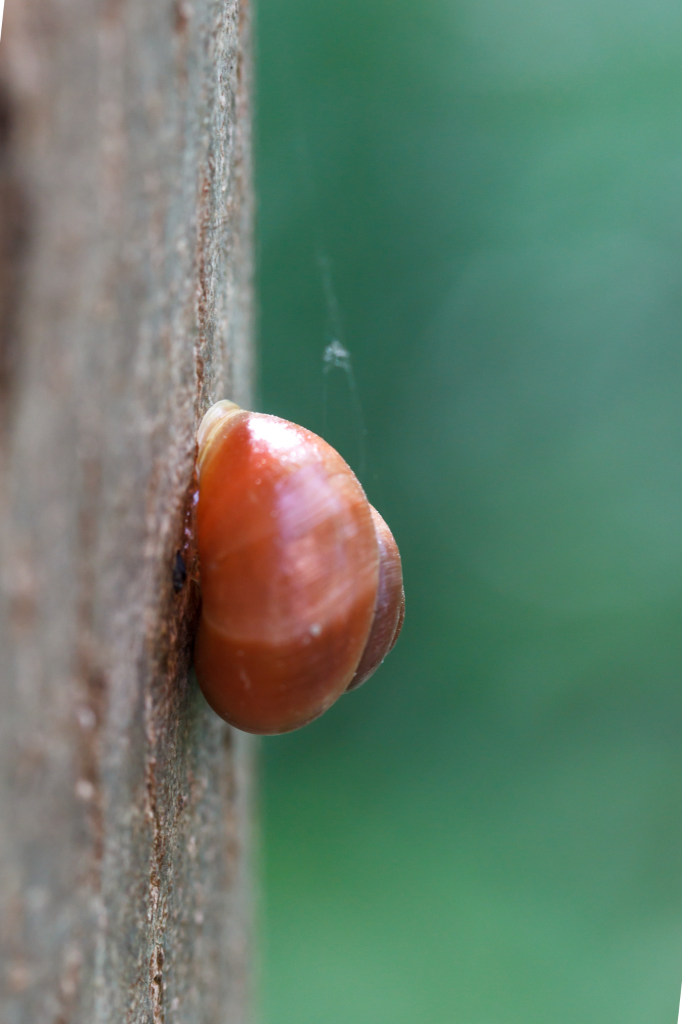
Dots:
pixel 300 577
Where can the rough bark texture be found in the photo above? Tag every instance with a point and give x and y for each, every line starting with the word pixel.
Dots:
pixel 125 276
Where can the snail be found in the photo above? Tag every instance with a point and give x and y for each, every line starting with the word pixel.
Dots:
pixel 301 580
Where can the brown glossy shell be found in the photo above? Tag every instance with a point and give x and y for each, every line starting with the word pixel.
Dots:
pixel 289 563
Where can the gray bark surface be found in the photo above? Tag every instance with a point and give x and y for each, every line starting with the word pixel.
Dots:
pixel 125 310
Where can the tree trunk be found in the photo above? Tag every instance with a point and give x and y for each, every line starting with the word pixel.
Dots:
pixel 125 310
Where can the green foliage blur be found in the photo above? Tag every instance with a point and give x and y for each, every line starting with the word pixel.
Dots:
pixel 490 831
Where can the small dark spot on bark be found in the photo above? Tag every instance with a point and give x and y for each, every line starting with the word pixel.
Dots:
pixel 179 573
pixel 182 14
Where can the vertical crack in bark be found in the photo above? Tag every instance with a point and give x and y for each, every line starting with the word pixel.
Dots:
pixel 14 232
pixel 156 974
pixel 91 711
pixel 157 898
pixel 203 296
pixel 165 712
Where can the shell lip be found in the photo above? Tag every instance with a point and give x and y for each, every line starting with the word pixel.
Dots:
pixel 212 424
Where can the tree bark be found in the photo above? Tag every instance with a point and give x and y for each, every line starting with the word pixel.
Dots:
pixel 125 310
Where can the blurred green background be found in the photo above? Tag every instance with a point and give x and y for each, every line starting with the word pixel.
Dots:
pixel 489 832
